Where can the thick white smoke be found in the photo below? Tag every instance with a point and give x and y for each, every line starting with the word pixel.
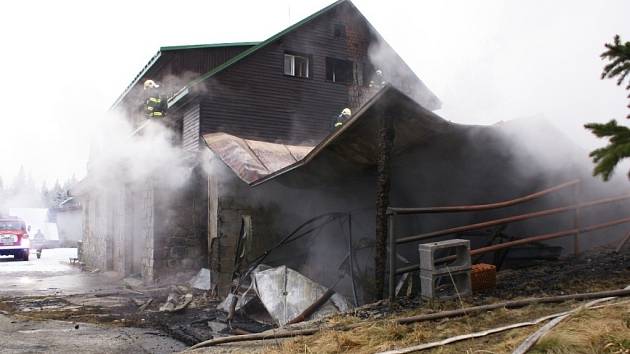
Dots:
pixel 125 153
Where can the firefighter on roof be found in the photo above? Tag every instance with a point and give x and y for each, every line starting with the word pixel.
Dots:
pixel 342 118
pixel 155 104
pixel 378 80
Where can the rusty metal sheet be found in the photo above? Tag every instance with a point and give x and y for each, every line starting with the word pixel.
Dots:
pixel 273 156
pixel 252 160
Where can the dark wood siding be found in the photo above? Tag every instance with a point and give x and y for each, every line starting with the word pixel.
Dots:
pixel 190 130
pixel 174 69
pixel 254 99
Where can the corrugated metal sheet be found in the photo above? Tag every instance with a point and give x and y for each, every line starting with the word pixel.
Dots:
pixel 252 160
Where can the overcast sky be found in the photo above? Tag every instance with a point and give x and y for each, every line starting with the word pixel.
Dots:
pixel 63 63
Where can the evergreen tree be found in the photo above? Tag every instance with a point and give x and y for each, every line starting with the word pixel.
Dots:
pixel 618 148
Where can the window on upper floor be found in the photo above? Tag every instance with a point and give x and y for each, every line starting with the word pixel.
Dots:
pixel 297 65
pixel 339 31
pixel 338 70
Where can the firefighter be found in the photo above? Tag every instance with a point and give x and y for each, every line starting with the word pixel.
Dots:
pixel 155 104
pixel 342 118
pixel 378 81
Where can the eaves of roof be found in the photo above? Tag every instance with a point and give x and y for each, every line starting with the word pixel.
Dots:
pixel 157 56
pixel 205 46
pixel 135 80
pixel 252 50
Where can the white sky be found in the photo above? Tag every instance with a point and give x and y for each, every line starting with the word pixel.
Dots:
pixel 63 63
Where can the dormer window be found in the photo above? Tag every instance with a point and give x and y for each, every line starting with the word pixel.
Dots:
pixel 296 65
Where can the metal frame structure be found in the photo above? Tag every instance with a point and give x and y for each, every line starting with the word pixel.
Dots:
pixel 577 230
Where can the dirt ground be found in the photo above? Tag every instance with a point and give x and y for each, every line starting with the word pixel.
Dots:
pixel 48 305
pixel 604 330
pixel 54 307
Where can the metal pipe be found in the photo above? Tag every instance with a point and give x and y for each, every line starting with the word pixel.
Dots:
pixel 510 219
pixel 543 237
pixel 480 207
pixel 392 258
pixel 415 267
pixel 548 236
pixel 623 242
pixel 576 220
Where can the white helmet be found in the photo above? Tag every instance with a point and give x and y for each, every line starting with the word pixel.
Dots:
pixel 346 112
pixel 150 84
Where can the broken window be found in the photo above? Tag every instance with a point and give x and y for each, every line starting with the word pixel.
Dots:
pixel 338 70
pixel 296 65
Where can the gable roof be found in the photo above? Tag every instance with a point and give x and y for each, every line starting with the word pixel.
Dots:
pixel 247 53
pixel 264 43
pixel 152 62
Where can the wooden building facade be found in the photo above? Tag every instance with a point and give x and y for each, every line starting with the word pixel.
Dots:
pixel 284 90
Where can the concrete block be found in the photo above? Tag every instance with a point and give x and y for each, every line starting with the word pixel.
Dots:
pixel 445 286
pixel 457 250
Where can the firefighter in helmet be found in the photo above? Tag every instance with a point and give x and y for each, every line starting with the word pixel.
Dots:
pixel 378 80
pixel 342 118
pixel 155 104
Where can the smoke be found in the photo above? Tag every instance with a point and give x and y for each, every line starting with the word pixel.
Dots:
pixel 124 153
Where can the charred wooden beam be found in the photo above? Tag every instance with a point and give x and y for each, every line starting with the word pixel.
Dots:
pixel 313 307
pixel 383 186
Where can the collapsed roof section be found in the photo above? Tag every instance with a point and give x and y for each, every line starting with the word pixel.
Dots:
pixel 256 162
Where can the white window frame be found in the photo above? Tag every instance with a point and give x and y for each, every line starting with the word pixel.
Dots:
pixel 289 65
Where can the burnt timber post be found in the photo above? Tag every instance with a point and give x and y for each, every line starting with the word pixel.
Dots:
pixel 385 140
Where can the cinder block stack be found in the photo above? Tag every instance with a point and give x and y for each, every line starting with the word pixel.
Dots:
pixel 445 269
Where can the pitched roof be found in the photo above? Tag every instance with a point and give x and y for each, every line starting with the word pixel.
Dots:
pixel 264 43
pixel 164 49
pixel 247 53
pixel 255 47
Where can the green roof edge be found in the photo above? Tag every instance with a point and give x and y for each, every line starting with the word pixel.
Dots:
pixel 261 45
pixel 211 45
pixel 135 80
pixel 157 55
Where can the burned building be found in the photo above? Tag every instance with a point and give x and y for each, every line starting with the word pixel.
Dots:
pixel 285 90
pixel 252 126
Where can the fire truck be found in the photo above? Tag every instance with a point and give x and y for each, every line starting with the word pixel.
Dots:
pixel 14 238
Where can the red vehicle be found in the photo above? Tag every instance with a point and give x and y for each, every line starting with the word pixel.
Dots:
pixel 14 239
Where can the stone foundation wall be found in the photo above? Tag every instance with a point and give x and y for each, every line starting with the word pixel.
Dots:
pixel 180 228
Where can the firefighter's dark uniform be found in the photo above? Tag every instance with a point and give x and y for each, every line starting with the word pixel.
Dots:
pixel 340 120
pixel 155 104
